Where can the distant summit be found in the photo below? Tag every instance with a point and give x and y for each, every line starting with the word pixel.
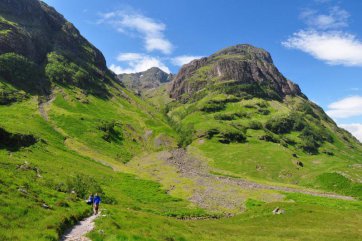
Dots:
pixel 240 70
pixel 149 79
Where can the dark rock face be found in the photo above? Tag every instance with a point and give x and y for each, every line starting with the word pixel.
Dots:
pixel 151 78
pixel 36 29
pixel 32 29
pixel 237 65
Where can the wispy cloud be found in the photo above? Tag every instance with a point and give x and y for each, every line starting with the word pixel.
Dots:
pixel 345 108
pixel 335 48
pixel 136 62
pixel 335 18
pixel 150 30
pixel 355 129
pixel 184 59
pixel 325 38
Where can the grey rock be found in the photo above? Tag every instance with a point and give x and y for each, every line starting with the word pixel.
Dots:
pixel 238 65
pixel 151 78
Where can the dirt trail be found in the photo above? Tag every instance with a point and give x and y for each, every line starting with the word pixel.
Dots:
pixel 78 232
pixel 43 106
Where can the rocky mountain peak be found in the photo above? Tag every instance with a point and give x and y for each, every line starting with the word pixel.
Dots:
pixel 151 78
pixel 245 50
pixel 242 68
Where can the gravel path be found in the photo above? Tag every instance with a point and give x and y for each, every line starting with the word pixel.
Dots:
pixel 77 232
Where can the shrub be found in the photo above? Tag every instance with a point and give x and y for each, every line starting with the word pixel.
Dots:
pixel 270 137
pixel 231 116
pixel 255 125
pixel 280 125
pixel 219 104
pixel 299 122
pixel 112 131
pixel 227 137
pixel 185 135
pixel 15 141
pixel 213 106
pixel 309 145
pixel 20 71
pixel 8 96
pixel 211 133
pixel 307 109
pixel 264 111
pixel 83 185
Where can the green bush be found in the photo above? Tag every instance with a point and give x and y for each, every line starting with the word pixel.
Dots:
pixel 255 125
pixel 264 111
pixel 231 116
pixel 61 70
pixel 229 136
pixel 20 71
pixel 112 131
pixel 83 186
pixel 312 138
pixel 185 134
pixel 309 145
pixel 280 125
pixel 307 109
pixel 8 96
pixel 219 104
pixel 213 106
pixel 270 137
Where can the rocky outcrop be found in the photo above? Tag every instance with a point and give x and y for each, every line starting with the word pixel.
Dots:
pixel 237 65
pixel 151 78
pixel 36 33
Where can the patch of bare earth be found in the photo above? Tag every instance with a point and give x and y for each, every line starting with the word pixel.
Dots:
pixel 78 232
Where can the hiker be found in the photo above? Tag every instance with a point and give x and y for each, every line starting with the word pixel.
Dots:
pixel 90 199
pixel 96 202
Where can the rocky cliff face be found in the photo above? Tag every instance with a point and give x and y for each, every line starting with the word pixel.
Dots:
pixel 149 79
pixel 241 67
pixel 34 32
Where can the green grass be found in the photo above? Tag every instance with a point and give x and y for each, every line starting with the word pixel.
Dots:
pixel 95 136
pixel 303 219
pixel 272 160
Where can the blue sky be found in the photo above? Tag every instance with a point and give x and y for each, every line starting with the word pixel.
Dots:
pixel 315 43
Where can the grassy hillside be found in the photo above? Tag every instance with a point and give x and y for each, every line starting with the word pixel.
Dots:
pixel 68 128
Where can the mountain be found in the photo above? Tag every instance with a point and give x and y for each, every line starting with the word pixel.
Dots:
pixel 142 81
pixel 236 109
pixel 235 141
pixel 242 69
pixel 40 43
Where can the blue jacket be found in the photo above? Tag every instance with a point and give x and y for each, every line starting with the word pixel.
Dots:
pixel 97 200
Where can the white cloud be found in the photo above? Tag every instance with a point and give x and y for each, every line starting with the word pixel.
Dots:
pixel 136 62
pixel 184 59
pixel 325 40
pixel 335 48
pixel 345 108
pixel 334 19
pixel 355 129
pixel 150 30
pixel 129 56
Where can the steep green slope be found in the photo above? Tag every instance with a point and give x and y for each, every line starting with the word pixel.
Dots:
pixel 250 121
pixel 68 128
